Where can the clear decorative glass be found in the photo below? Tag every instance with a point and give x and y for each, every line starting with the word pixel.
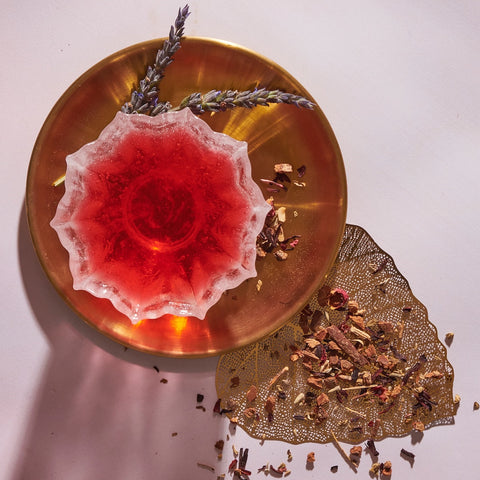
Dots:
pixel 160 215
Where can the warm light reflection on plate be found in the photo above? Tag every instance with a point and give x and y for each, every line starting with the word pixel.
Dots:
pixel 277 134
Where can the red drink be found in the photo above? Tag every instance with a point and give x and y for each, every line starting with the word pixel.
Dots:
pixel 160 215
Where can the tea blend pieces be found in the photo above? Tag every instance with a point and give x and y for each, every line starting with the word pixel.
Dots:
pixel 358 363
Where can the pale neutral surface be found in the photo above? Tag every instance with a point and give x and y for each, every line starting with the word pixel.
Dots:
pixel 399 84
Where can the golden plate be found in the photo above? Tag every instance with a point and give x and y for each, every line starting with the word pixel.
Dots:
pixel 275 134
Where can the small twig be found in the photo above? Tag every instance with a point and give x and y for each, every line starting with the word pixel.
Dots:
pixel 277 376
pixel 358 387
pixel 343 452
pixel 58 181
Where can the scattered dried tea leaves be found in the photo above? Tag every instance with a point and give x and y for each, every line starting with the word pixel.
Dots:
pixel 240 471
pixel 275 379
pixel 371 447
pixel 252 393
pixel 407 455
pixel 375 469
pixel 206 467
pixel 387 469
pixel 337 298
pixel 363 371
pixel 418 425
pixel 283 168
pixel 449 338
pixel 311 457
pixel 270 404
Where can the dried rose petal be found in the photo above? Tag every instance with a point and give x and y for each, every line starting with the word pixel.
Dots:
pixel 270 404
pixel 338 298
pixel 252 393
pixel 160 215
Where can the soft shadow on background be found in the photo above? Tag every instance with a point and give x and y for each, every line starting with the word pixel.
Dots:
pixel 100 410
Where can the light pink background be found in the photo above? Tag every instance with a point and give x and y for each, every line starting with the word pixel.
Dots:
pixel 399 82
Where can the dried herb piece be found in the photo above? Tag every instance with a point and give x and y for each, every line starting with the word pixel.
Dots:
pixel 476 405
pixel 421 361
pixel 334 468
pixel 408 455
pixel 343 452
pixel 163 380
pixel 301 171
pixel 270 404
pixel 206 467
pixel 418 425
pixel 277 377
pixel 337 298
pixel 346 345
pixel 156 368
pixel 252 393
pixel 200 398
pixel 387 469
pixel 311 457
pixel 372 448
pixel 449 338
pixel 219 444
pixel 241 472
pixel 279 471
pixel 216 407
pixel 250 412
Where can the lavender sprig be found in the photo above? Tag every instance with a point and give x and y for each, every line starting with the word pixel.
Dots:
pixel 145 99
pixel 219 101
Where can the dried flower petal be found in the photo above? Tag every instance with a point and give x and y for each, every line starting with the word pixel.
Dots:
pixel 283 167
pixel 270 404
pixel 322 399
pixel 323 295
pixel 252 393
pixel 375 468
pixel 315 381
pixel 338 298
pixel 418 425
pixel 387 469
pixel 250 412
